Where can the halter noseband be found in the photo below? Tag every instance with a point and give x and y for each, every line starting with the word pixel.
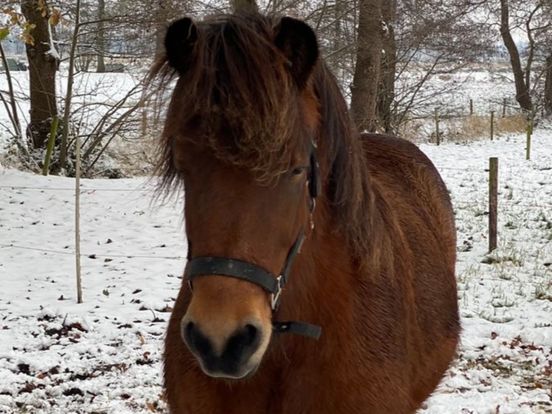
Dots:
pixel 274 284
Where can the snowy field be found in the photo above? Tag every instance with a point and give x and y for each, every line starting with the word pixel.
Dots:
pixel 104 356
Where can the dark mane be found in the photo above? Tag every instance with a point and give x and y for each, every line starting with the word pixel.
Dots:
pixel 235 85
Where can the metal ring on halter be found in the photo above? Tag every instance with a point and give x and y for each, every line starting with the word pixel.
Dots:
pixel 275 297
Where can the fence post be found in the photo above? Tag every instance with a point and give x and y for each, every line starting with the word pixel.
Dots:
pixel 77 217
pixel 529 133
pixel 492 124
pixel 493 202
pixel 437 135
pixel 504 108
pixel 471 106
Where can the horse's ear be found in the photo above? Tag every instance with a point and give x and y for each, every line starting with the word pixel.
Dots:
pixel 298 43
pixel 179 43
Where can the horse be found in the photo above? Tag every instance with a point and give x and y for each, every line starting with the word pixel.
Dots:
pixel 299 228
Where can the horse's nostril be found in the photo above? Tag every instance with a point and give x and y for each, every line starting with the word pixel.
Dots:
pixel 251 333
pixel 189 328
pixel 196 340
pixel 242 344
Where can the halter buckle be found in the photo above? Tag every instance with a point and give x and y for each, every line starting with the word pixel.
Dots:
pixel 275 297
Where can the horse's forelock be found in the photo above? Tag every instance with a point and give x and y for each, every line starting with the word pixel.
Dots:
pixel 238 88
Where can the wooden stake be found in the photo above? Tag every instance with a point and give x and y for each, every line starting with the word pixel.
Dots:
pixel 492 124
pixel 493 202
pixel 529 134
pixel 504 108
pixel 437 135
pixel 77 217
pixel 471 106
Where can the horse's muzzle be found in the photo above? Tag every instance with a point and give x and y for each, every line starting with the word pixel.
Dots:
pixel 232 360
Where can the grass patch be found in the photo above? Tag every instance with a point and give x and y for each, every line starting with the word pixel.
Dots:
pixel 464 129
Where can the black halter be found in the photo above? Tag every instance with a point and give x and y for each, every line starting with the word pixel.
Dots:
pixel 274 284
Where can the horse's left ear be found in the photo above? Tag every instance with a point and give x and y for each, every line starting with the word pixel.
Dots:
pixel 298 43
pixel 180 40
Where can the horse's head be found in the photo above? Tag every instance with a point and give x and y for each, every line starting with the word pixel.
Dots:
pixel 240 133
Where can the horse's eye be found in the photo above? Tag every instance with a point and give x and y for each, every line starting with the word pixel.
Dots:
pixel 297 170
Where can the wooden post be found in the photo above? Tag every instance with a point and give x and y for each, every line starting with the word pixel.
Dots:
pixel 437 135
pixel 492 124
pixel 504 101
pixel 493 202
pixel 529 133
pixel 471 106
pixel 77 217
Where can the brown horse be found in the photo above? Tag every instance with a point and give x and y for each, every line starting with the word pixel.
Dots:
pixel 258 133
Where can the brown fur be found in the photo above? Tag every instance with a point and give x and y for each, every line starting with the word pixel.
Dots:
pixel 377 273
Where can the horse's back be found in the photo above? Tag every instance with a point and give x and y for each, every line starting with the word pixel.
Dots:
pixel 411 190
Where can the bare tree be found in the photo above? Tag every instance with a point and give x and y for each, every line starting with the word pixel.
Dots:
pixel 521 80
pixel 386 92
pixel 548 86
pixel 244 5
pixel 11 106
pixel 43 63
pixel 100 68
pixel 364 90
pixel 69 94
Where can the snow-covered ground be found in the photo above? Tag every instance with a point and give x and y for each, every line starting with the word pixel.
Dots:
pixel 104 356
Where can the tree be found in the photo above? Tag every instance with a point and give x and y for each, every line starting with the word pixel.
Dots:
pixel 364 90
pixel 100 68
pixel 548 86
pixel 386 92
pixel 244 5
pixel 521 80
pixel 43 63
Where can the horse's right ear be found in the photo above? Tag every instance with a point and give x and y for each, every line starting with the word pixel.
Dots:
pixel 179 43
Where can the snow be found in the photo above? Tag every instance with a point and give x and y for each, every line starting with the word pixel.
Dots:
pixel 52 51
pixel 105 355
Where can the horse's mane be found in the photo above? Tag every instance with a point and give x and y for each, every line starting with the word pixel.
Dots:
pixel 234 85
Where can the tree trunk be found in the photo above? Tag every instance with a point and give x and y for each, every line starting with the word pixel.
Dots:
pixel 548 86
pixel 42 72
pixel 522 90
pixel 161 17
pixel 364 90
pixel 386 93
pixel 244 5
pixel 100 68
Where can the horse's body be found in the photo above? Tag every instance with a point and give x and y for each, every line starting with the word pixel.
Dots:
pixel 389 314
